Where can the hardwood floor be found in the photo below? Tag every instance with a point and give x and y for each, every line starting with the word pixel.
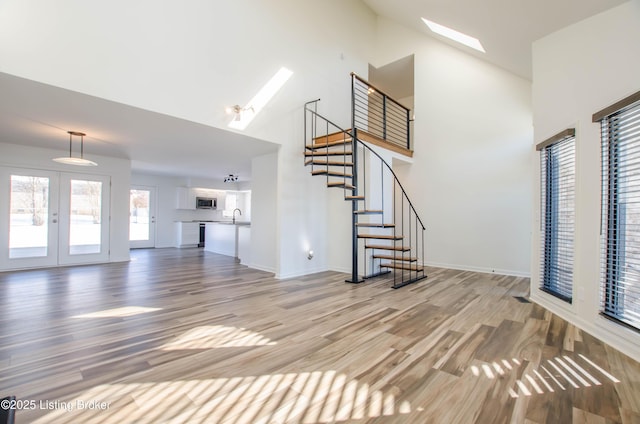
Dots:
pixel 188 336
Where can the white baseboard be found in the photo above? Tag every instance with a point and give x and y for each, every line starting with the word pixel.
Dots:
pixel 339 269
pixel 300 273
pixel 480 269
pixel 262 268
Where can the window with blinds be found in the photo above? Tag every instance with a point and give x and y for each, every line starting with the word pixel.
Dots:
pixel 620 289
pixel 557 194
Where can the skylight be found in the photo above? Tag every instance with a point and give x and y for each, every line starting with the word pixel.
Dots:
pixel 454 35
pixel 259 101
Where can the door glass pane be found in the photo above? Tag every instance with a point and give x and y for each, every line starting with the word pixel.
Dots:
pixel 86 217
pixel 28 228
pixel 139 215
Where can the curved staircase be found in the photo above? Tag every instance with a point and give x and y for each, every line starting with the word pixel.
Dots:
pixel 387 233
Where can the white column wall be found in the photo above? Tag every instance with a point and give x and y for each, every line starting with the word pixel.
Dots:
pixel 578 71
pixel 264 204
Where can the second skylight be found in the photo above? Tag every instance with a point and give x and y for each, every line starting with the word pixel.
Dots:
pixel 454 35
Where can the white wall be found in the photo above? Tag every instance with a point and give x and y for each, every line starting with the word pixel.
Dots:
pixel 188 60
pixel 119 170
pixel 471 180
pixel 471 176
pixel 192 59
pixel 244 204
pixel 578 71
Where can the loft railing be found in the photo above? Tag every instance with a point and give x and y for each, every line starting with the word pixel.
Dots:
pixel 379 115
pixel 387 233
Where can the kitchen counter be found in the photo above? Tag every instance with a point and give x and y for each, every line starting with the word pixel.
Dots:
pixel 205 221
pixel 198 220
pixel 228 238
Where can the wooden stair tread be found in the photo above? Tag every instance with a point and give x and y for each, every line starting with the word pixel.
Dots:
pixel 327 163
pixel 402 265
pixel 353 197
pixel 369 212
pixel 387 247
pixel 329 153
pixel 396 258
pixel 340 185
pixel 333 137
pixel 375 225
pixel 330 173
pixel 379 236
pixel 323 145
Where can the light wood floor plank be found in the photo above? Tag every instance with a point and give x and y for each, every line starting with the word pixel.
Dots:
pixel 187 336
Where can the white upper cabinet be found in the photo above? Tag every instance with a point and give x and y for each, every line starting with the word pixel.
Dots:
pixel 185 198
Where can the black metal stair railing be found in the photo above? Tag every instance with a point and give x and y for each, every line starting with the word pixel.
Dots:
pixel 378 114
pixel 387 233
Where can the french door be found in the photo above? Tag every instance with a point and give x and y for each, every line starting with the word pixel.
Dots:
pixel 53 218
pixel 142 217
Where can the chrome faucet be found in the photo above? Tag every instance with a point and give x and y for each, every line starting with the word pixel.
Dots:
pixel 234 214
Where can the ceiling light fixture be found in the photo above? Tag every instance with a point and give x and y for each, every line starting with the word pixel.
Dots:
pixel 230 178
pixel 74 160
pixel 454 35
pixel 237 111
pixel 246 114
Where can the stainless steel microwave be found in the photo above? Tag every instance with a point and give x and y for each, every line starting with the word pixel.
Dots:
pixel 206 203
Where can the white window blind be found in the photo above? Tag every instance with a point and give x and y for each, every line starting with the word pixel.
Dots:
pixel 620 289
pixel 557 194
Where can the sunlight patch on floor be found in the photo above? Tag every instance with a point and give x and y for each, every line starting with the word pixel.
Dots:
pixel 126 311
pixel 216 336
pixel 306 397
pixel 559 372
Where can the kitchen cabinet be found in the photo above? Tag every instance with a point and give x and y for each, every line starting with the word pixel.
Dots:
pixel 187 234
pixel 185 198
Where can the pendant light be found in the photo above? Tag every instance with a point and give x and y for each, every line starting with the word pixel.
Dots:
pixel 74 160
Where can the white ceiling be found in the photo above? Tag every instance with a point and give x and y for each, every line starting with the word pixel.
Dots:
pixel 506 28
pixel 39 115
